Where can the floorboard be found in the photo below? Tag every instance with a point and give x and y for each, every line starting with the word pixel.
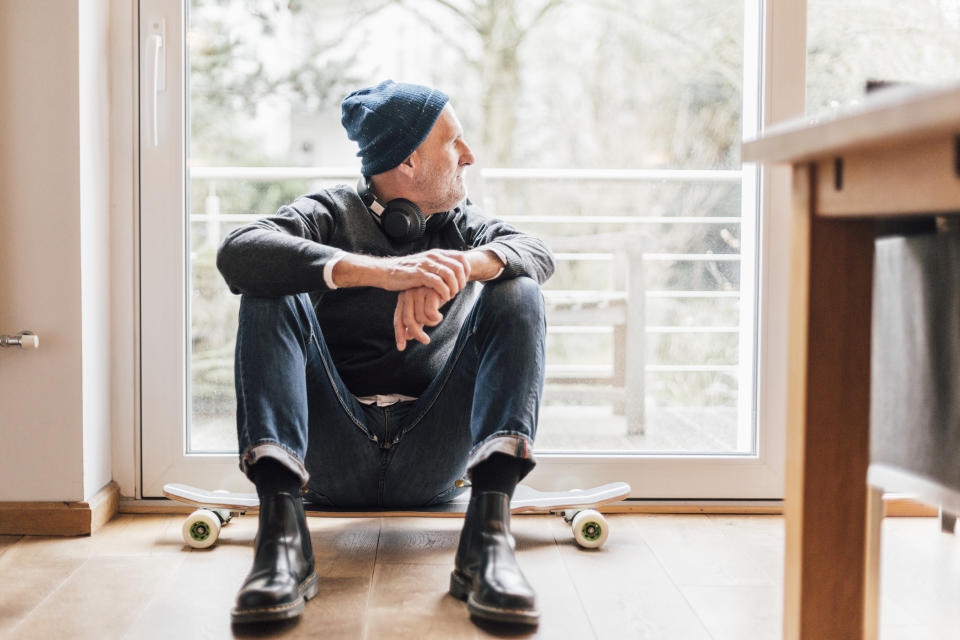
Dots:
pixel 7 541
pixel 658 577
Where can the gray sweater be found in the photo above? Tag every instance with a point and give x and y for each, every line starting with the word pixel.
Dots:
pixel 285 254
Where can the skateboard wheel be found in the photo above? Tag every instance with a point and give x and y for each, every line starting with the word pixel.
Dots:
pixel 590 529
pixel 201 529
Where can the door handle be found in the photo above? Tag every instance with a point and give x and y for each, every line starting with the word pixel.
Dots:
pixel 156 46
pixel 24 340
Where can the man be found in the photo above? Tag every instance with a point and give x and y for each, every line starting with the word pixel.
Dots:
pixel 372 369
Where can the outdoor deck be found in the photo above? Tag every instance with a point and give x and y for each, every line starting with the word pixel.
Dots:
pixel 584 429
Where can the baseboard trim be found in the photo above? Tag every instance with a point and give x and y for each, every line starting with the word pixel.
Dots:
pixel 693 507
pixel 154 506
pixel 907 508
pixel 60 518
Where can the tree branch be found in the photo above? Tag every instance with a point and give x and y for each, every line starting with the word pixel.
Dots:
pixel 438 30
pixel 463 15
pixel 544 10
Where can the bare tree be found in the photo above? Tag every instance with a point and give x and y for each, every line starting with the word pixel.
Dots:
pixel 501 27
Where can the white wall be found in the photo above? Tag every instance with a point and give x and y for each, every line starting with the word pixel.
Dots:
pixel 94 117
pixel 54 241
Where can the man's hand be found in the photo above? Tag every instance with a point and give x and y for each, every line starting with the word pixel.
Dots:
pixel 442 270
pixel 426 281
pixel 416 308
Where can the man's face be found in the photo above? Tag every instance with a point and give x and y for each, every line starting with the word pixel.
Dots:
pixel 443 157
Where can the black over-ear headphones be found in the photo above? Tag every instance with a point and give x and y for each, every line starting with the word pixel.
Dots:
pixel 400 219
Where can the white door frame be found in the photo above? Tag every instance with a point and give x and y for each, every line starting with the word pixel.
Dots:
pixel 163 267
pixel 163 313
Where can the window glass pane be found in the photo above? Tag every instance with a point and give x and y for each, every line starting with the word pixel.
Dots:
pixel 610 128
pixel 851 42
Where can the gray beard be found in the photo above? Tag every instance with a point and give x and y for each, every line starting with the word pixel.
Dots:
pixel 450 199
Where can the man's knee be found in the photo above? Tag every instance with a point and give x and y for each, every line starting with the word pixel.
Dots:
pixel 280 318
pixel 268 310
pixel 517 296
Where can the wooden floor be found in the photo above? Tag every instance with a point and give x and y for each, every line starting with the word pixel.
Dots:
pixel 670 577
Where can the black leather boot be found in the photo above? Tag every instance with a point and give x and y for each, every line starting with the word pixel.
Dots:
pixel 486 573
pixel 283 576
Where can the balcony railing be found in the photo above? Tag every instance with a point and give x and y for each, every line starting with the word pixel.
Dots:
pixel 213 218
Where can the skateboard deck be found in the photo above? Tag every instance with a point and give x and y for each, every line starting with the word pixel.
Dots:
pixel 577 506
pixel 525 500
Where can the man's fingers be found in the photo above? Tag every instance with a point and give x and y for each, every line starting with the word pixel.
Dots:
pixel 431 308
pixel 418 311
pixel 441 285
pixel 459 267
pixel 399 331
pixel 410 322
pixel 406 313
pixel 445 271
pixel 428 302
pixel 442 269
pixel 465 261
pixel 415 309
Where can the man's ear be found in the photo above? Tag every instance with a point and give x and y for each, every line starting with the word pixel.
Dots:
pixel 409 166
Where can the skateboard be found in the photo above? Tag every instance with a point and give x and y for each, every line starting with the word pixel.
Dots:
pixel 577 507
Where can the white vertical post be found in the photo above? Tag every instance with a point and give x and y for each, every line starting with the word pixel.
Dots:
pixel 211 207
pixel 748 345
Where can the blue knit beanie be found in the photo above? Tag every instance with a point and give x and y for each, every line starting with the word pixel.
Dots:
pixel 389 121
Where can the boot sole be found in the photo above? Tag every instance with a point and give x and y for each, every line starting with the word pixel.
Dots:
pixel 461 588
pixel 307 591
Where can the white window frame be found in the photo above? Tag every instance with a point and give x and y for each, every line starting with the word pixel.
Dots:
pixel 162 265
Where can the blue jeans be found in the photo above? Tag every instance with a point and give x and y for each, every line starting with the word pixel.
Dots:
pixel 292 405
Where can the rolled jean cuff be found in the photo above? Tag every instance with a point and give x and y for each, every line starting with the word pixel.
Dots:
pixel 511 444
pixel 276 452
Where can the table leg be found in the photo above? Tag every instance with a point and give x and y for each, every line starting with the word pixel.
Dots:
pixel 828 420
pixel 871 578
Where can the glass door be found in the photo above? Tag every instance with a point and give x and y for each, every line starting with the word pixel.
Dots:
pixel 610 129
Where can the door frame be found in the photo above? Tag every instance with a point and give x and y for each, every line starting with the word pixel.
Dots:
pixel 780 64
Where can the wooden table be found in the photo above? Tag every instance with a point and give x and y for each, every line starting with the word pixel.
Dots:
pixel 897 155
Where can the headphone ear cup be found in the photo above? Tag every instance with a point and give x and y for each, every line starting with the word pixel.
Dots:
pixel 402 220
pixel 363 190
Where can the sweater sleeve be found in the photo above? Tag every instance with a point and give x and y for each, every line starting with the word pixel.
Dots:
pixel 279 255
pixel 525 255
